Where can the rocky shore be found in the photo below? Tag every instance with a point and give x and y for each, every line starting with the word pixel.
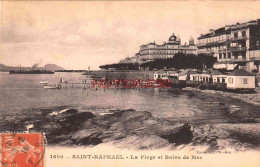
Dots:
pixel 84 128
pixel 140 130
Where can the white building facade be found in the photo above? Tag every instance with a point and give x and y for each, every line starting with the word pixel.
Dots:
pixel 233 44
pixel 167 50
pixel 152 51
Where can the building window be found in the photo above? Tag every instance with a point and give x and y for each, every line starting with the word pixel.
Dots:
pixel 243 44
pixel 245 80
pixel 230 80
pixel 236 55
pixel 225 56
pixel 243 33
pixel 235 35
pixel 220 56
pixel 229 55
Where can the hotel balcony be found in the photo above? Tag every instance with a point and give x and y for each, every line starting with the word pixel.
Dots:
pixel 206 44
pixel 233 60
pixel 223 40
pixel 254 58
pixel 223 50
pixel 237 49
pixel 201 44
pixel 213 42
pixel 238 38
pixel 203 51
pixel 238 60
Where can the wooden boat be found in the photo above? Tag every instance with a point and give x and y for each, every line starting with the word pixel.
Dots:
pixel 47 86
pixel 44 82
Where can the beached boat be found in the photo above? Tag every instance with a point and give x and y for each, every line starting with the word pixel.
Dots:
pixel 43 82
pixel 47 86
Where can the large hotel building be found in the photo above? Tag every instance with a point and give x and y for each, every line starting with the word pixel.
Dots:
pixel 152 51
pixel 167 50
pixel 235 46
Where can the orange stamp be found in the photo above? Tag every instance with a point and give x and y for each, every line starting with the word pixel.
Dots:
pixel 22 150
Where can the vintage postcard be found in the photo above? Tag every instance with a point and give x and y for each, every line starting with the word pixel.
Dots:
pixel 129 83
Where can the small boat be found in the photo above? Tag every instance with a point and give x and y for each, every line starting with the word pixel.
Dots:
pixel 47 86
pixel 62 80
pixel 44 82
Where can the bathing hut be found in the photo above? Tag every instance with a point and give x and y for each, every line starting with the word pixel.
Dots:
pixel 240 79
pixel 187 75
pixel 160 75
pixel 218 77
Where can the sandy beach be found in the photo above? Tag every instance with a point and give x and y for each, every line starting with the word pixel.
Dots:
pixel 251 98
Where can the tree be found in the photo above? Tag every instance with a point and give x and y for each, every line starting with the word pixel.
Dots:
pixel 179 61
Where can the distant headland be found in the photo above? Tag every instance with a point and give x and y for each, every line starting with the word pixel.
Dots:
pixel 49 67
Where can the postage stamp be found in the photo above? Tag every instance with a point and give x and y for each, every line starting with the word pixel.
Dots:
pixel 22 150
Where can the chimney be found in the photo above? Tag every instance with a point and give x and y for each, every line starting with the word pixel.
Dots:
pixel 227 27
pixel 211 30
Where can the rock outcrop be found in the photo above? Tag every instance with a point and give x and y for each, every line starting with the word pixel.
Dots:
pixel 125 128
pixel 137 130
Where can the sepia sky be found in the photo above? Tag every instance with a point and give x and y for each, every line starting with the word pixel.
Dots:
pixel 76 35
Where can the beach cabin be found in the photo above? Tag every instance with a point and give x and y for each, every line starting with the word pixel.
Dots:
pixel 240 79
pixel 187 75
pixel 173 75
pixel 204 77
pixel 160 75
pixel 218 77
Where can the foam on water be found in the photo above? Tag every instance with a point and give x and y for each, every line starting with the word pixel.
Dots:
pixel 55 113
